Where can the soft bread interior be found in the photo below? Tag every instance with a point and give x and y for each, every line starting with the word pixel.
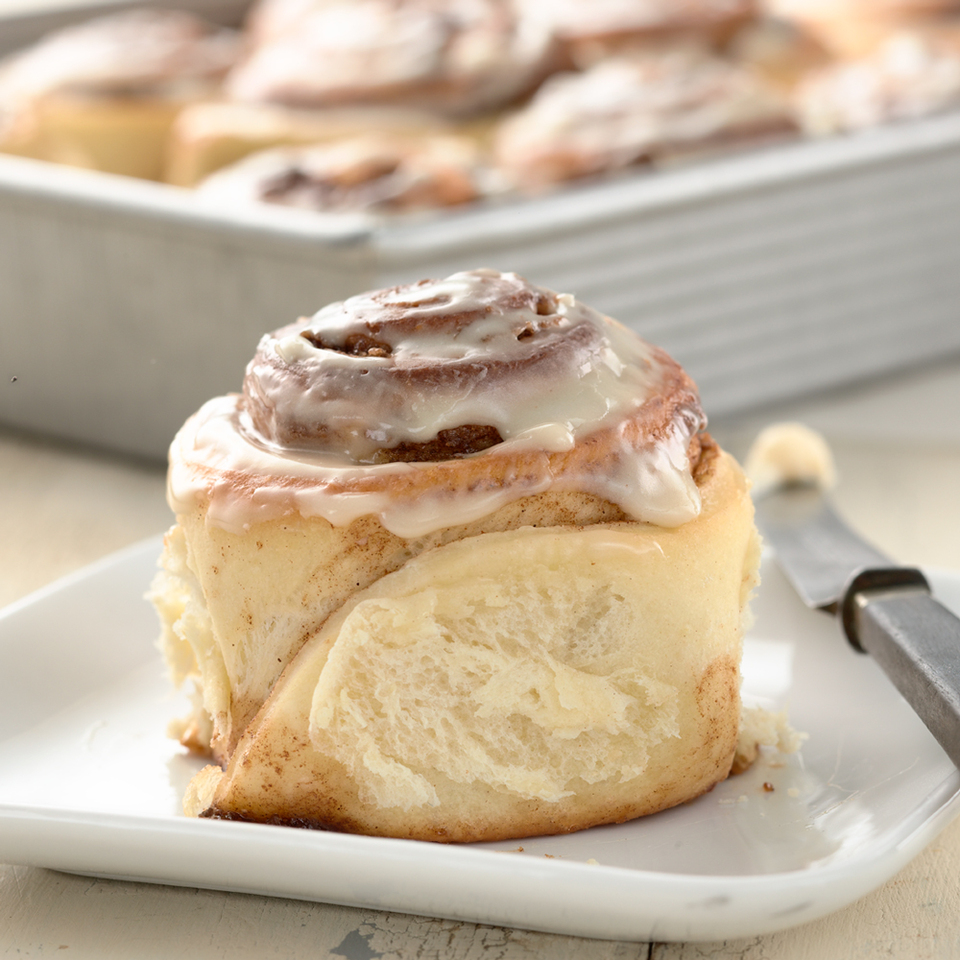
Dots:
pixel 237 607
pixel 509 683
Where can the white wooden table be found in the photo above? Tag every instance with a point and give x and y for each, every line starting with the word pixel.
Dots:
pixel 897 446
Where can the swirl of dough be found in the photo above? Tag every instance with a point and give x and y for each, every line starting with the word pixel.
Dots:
pixel 440 401
pixel 434 360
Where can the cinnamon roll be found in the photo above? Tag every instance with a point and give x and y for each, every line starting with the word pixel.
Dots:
pixel 459 58
pixel 375 174
pixel 459 563
pixel 104 94
pixel 636 109
pixel 911 75
pixel 213 134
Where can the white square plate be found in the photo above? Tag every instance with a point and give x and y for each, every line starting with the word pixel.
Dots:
pixel 90 784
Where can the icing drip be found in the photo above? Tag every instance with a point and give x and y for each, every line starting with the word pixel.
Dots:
pixel 434 404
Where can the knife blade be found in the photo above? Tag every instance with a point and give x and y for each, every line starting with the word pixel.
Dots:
pixel 885 610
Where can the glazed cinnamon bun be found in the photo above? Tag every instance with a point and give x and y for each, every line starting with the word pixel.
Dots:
pixel 459 563
pixel 459 58
pixel 910 75
pixel 635 109
pixel 213 134
pixel 375 174
pixel 104 94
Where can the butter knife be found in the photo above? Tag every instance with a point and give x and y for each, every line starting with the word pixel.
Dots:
pixel 885 610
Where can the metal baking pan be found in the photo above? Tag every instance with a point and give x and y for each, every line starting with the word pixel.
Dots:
pixel 769 274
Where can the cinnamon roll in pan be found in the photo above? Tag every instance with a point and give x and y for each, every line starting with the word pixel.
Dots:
pixel 635 109
pixel 460 563
pixel 460 58
pixel 911 74
pixel 370 173
pixel 211 135
pixel 104 94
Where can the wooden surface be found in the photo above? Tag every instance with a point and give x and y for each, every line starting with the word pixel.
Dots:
pixel 897 446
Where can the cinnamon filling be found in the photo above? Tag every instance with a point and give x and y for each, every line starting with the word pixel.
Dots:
pixel 354 345
pixel 455 349
pixel 447 445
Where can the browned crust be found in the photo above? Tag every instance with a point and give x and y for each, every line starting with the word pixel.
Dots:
pixel 680 770
pixel 674 776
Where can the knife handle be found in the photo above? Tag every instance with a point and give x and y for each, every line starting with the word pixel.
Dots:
pixel 874 580
pixel 916 641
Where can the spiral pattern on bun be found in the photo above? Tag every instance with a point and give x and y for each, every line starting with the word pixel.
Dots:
pixel 439 402
pixel 459 564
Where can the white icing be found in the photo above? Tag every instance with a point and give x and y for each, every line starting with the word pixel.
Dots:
pixel 139 50
pixel 625 109
pixel 459 55
pixel 538 411
pixel 909 75
pixel 588 386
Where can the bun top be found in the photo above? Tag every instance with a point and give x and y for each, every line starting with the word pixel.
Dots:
pixel 474 390
pixel 635 108
pixel 457 56
pixel 135 51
